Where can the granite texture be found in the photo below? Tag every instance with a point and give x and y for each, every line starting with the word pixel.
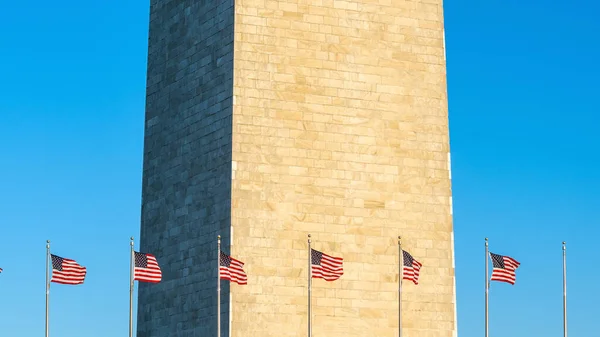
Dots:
pixel 340 130
pixel 186 193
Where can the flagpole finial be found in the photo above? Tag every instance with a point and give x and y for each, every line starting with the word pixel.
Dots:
pixel 47 241
pixel 308 238
pixel 131 241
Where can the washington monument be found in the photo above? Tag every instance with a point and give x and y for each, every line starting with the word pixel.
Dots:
pixel 270 120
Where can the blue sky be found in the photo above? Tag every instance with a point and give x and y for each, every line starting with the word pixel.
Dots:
pixel 523 81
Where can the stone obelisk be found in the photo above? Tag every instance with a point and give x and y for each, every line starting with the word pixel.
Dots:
pixel 270 120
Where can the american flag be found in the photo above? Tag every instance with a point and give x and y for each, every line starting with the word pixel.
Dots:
pixel 1 270
pixel 66 271
pixel 410 268
pixel 326 267
pixel 504 268
pixel 232 270
pixel 146 268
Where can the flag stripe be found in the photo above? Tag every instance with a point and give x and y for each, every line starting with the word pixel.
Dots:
pixel 232 270
pixel 146 268
pixel 411 268
pixel 323 266
pixel 67 271
pixel 504 268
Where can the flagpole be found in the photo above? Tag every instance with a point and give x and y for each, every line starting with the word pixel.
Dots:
pixel 309 288
pixel 47 283
pixel 131 267
pixel 564 249
pixel 487 288
pixel 400 276
pixel 218 286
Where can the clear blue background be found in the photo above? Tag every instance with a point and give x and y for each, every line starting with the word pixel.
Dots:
pixel 523 87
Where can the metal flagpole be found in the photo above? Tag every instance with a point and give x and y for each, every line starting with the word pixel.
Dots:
pixel 219 286
pixel 131 272
pixel 564 249
pixel 47 283
pixel 309 288
pixel 487 288
pixel 400 276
